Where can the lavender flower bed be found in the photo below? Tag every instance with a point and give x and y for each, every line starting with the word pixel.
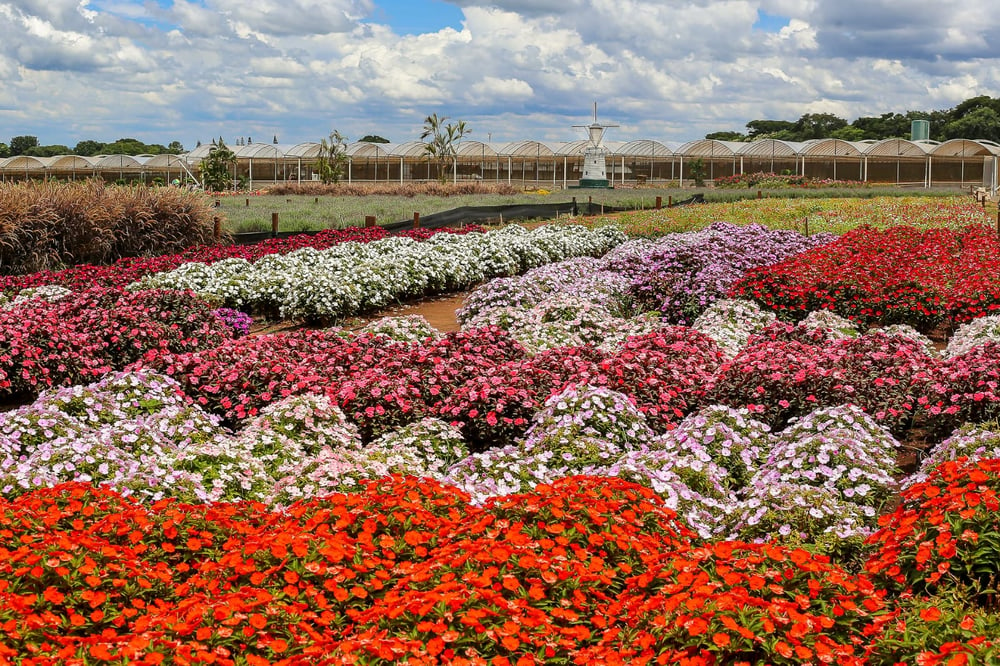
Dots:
pixel 683 274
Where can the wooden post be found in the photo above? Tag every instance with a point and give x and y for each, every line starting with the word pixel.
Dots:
pixel 670 201
pixel 416 220
pixel 248 203
pixel 659 203
pixel 316 200
pixel 217 231
pixel 805 222
pixel 369 220
pixel 760 195
pixel 274 225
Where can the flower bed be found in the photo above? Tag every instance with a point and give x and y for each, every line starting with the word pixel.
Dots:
pixel 351 278
pixel 567 480
pixel 824 215
pixel 897 276
pixel 584 570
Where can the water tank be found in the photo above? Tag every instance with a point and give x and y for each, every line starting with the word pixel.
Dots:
pixel 920 130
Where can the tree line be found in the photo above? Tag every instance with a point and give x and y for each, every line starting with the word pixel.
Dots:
pixel 29 145
pixel 975 118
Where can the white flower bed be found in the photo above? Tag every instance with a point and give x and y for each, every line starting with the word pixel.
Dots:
pixel 351 278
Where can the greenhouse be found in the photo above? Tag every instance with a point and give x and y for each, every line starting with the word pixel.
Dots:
pixel 529 163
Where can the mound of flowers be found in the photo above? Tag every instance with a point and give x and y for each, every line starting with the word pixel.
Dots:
pixel 583 570
pixel 128 270
pixel 900 275
pixel 54 337
pixel 351 278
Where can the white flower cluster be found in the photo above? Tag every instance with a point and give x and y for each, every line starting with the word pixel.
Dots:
pixel 45 292
pixel 406 328
pixel 578 431
pixel 351 278
pixel 973 334
pixel 731 322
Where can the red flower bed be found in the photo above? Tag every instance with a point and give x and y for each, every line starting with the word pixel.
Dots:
pixel 899 275
pixel 86 335
pixel 789 371
pixel 584 571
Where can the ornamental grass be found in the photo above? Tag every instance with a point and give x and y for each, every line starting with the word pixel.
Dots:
pixel 46 226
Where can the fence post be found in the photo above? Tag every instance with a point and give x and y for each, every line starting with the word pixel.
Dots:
pixel 416 220
pixel 670 201
pixel 659 203
pixel 248 203
pixel 577 212
pixel 369 220
pixel 760 195
pixel 805 221
pixel 217 229
pixel 274 225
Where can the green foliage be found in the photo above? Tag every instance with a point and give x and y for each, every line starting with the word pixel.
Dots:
pixel 373 138
pixel 726 136
pixel 4 150
pixel 443 139
pixel 88 147
pixel 20 144
pixel 697 171
pixel 47 151
pixel 332 158
pixel 217 167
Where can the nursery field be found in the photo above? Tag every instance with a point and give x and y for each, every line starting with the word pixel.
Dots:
pixel 660 439
pixel 302 212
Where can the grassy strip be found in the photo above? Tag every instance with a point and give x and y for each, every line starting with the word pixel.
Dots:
pixel 328 211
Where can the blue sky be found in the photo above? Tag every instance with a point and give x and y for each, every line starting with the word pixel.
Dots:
pixel 191 70
pixel 413 17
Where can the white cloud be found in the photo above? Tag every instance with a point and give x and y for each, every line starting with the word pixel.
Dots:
pixel 195 69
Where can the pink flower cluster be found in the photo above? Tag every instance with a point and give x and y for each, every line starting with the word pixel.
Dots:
pixel 86 335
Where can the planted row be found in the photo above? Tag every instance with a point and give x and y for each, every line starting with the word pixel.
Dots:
pixel 897 276
pixel 350 278
pixel 584 570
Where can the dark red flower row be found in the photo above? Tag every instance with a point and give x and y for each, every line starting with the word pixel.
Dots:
pixel 900 275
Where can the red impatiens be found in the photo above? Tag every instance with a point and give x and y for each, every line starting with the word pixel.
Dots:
pixel 897 276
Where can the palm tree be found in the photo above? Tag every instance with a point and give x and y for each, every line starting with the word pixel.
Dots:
pixel 443 138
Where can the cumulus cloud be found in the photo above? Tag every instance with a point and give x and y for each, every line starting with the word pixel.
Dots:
pixel 194 69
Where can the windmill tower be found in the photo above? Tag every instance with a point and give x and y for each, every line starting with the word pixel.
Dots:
pixel 595 170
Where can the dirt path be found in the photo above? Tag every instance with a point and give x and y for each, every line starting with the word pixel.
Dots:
pixel 439 311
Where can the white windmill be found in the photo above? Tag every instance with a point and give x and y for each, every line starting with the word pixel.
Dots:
pixel 595 170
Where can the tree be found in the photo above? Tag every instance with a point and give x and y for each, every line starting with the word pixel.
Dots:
pixel 88 147
pixel 443 137
pixel 216 168
pixel 767 129
pixel 4 150
pixel 817 126
pixel 20 144
pixel 373 138
pixel 980 123
pixel 47 151
pixel 726 136
pixel 332 158
pixel 175 148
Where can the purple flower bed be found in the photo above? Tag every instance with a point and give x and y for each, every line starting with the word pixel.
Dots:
pixel 683 274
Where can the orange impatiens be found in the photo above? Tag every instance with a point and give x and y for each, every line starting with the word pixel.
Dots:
pixel 585 570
